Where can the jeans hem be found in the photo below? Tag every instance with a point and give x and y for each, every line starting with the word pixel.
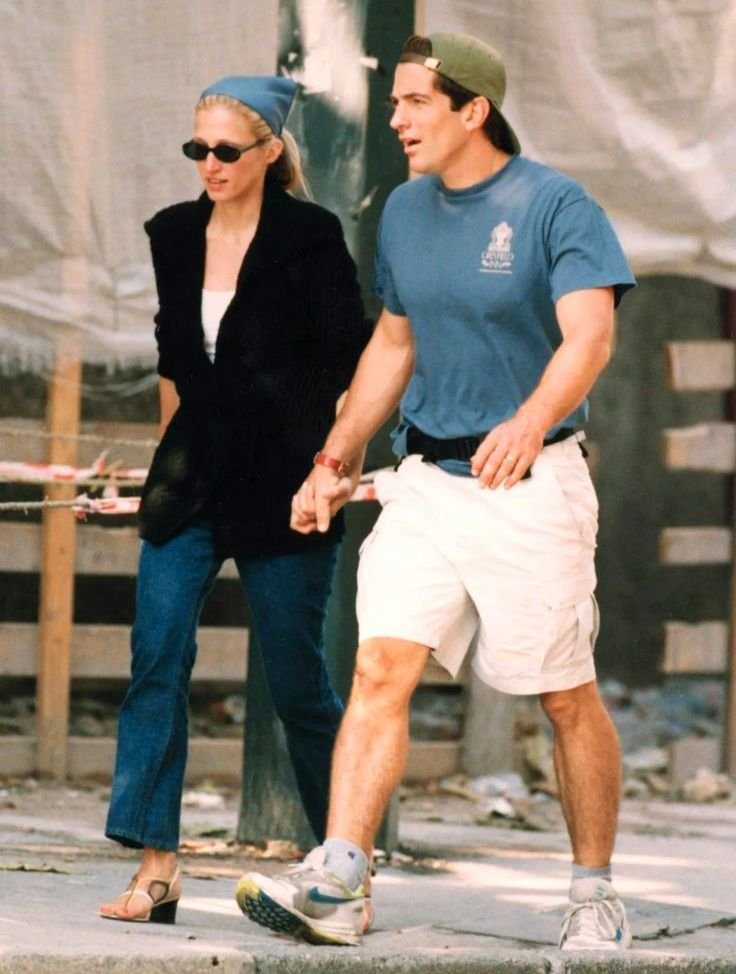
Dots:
pixel 131 841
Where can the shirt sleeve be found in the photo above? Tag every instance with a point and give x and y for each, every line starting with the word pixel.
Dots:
pixel 383 282
pixel 584 251
pixel 166 366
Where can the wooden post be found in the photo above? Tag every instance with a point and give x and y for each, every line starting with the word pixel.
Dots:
pixel 729 743
pixel 57 575
pixel 419 16
pixel 86 89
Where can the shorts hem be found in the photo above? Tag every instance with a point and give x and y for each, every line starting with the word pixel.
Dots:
pixel 413 637
pixel 567 679
pixel 410 637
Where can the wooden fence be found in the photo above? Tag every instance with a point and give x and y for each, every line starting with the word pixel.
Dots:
pixel 705 647
pixel 66 550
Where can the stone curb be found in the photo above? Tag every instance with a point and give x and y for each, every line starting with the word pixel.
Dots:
pixel 329 961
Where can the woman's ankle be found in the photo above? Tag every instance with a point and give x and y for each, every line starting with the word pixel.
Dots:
pixel 157 862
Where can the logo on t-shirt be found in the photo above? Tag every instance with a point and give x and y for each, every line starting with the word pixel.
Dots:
pixel 498 256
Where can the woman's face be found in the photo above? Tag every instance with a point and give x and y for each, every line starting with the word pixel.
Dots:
pixel 232 181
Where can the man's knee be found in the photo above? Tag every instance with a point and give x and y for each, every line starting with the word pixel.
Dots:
pixel 387 670
pixel 567 707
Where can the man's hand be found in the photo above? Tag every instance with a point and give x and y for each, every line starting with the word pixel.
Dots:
pixel 320 497
pixel 507 452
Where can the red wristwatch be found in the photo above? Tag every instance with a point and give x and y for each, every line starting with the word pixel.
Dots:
pixel 339 466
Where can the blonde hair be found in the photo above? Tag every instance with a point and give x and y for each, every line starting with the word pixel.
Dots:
pixel 287 169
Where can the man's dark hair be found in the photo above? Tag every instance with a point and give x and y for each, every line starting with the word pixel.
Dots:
pixel 493 127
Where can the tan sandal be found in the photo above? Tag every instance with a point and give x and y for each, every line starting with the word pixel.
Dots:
pixel 163 902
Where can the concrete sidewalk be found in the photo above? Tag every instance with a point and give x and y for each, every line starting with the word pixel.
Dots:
pixel 468 898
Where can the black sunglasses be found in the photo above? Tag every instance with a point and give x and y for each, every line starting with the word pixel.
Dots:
pixel 223 152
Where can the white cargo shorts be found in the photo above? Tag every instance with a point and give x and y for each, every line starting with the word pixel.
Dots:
pixel 506 574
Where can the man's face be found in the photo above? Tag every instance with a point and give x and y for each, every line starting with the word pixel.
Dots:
pixel 430 132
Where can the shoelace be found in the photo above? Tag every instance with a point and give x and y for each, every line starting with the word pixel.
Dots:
pixel 313 861
pixel 592 921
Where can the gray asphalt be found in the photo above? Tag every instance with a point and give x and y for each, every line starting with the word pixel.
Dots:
pixel 469 898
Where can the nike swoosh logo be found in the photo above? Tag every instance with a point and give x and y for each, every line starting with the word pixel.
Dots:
pixel 318 897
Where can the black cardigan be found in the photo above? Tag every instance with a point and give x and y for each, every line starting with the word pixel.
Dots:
pixel 248 426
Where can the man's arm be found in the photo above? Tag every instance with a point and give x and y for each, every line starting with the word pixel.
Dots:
pixel 168 403
pixel 380 379
pixel 586 322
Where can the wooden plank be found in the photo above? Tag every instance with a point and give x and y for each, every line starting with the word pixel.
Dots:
pixel 99 551
pixel 211 758
pixel 700 647
pixel 17 756
pixel 101 652
pixel 23 443
pixel 56 601
pixel 710 447
pixel 215 759
pixel 695 546
pixel 706 366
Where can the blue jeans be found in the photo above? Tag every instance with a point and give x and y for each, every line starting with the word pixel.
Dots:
pixel 288 596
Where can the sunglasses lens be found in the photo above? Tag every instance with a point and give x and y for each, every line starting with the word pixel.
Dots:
pixel 226 153
pixel 194 150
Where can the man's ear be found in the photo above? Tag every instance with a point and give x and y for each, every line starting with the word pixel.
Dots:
pixel 476 112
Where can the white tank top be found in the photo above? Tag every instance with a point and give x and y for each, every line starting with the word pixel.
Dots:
pixel 214 305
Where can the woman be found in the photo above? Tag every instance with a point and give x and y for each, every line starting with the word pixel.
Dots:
pixel 259 328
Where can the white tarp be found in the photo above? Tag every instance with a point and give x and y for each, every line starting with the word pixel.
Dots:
pixel 637 100
pixel 97 97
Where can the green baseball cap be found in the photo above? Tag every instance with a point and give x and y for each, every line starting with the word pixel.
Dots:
pixel 472 64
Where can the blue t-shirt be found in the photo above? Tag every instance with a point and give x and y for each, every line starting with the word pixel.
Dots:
pixel 478 271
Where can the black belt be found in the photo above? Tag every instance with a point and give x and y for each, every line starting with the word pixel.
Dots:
pixel 460 447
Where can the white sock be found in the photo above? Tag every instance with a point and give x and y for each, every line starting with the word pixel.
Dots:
pixel 345 860
pixel 590 872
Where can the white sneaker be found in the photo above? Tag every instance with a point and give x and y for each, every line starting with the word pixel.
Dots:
pixel 306 902
pixel 595 918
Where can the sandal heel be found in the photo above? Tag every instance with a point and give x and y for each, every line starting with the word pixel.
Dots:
pixel 164 912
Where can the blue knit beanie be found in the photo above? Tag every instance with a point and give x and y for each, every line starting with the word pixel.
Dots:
pixel 270 96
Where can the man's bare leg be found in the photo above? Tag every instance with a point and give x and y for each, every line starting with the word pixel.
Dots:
pixel 372 744
pixel 588 765
pixel 325 900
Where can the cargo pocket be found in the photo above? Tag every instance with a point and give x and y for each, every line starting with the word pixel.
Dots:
pixel 573 636
pixel 575 489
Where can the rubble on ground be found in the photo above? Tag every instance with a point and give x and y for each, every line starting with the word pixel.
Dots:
pixel 706 786
pixel 671 737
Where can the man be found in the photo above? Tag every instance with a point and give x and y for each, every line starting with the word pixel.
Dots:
pixel 499 278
